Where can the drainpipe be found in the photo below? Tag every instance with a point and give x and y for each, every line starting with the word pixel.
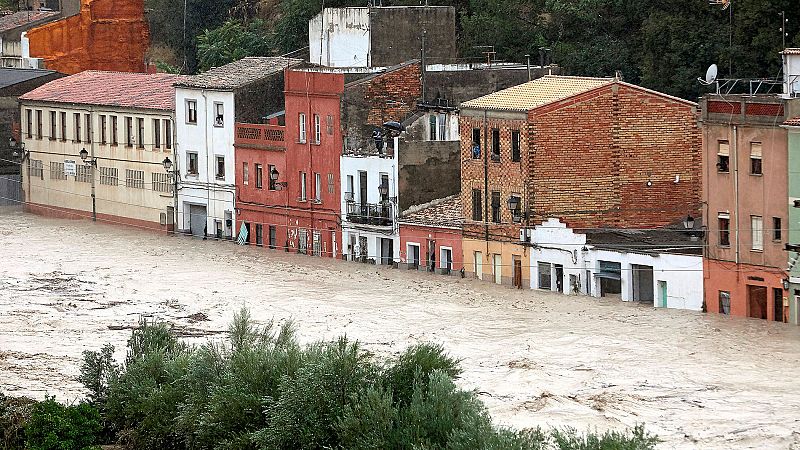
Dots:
pixel 94 166
pixel 735 155
pixel 486 180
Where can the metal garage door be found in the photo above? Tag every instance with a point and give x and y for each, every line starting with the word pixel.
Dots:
pixel 197 219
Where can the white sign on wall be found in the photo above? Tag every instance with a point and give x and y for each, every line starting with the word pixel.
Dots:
pixel 70 169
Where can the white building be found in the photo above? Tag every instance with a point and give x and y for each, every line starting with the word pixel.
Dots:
pixel 661 267
pixel 207 107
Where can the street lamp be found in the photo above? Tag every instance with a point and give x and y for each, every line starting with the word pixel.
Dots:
pixel 93 163
pixel 86 159
pixel 273 177
pixel 167 164
pixel 688 222
pixel 513 205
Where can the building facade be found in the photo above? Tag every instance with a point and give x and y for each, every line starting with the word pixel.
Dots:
pixel 430 237
pixel 288 188
pixel 594 152
pixel 96 145
pixel 791 311
pixel 207 108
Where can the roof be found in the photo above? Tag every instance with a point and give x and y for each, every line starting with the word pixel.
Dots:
pixel 539 92
pixel 127 90
pixel 444 212
pixel 794 121
pixel 239 73
pixel 791 51
pixel 22 18
pixel 11 76
pixel 659 240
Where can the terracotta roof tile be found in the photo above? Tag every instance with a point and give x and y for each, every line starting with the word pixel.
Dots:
pixel 444 212
pixel 239 73
pixel 539 92
pixel 794 121
pixel 127 90
pixel 791 51
pixel 22 18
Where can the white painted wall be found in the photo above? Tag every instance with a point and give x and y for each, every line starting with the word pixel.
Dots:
pixel 554 243
pixel 340 37
pixel 208 141
pixel 791 75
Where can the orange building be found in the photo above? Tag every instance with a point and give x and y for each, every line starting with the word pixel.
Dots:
pixel 107 35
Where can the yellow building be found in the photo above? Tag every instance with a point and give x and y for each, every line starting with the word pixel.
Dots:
pixel 96 144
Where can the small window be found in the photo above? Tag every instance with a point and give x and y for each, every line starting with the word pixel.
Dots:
pixel 496 216
pixel 495 145
pixel 140 132
pixel 259 176
pixel 109 176
pixel 725 302
pixel 29 123
pixel 442 127
pixel 38 124
pixel 724 225
pixel 191 111
pixel 77 118
pixel 103 130
pixel 318 187
pixel 302 124
pixel 57 171
pixel 515 146
pixel 757 230
pixel 220 168
pixel 302 186
pixel 157 133
pixel 777 234
pixel 88 119
pixel 191 163
pixel 161 182
pixel 129 131
pixel 83 173
pixel 53 126
pixel 245 174
pixel 317 130
pixel 329 124
pixel 545 277
pixel 476 143
pixel 331 185
pixel 64 126
pixel 477 205
pixel 432 125
pixel 755 158
pixel 114 132
pixel 167 133
pixel 723 156
pixel 271 183
pixel 219 114
pixel 134 179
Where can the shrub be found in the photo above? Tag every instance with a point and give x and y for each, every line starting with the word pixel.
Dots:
pixel 14 415
pixel 636 439
pixel 53 426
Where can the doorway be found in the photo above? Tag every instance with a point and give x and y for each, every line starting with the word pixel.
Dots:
pixel 662 294
pixel 517 272
pixel 642 283
pixel 197 220
pixel 497 269
pixel 387 251
pixel 777 293
pixel 559 269
pixel 413 256
pixel 478 265
pixel 757 302
pixel 446 260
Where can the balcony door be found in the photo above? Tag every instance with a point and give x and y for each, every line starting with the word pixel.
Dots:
pixel 362 187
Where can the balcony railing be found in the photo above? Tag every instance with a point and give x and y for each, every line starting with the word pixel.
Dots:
pixel 260 135
pixel 370 213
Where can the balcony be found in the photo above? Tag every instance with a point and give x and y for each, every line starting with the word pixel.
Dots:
pixel 260 136
pixel 370 213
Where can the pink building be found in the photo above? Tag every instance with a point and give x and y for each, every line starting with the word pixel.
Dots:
pixel 430 237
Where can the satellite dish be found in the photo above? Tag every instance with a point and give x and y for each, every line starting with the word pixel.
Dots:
pixel 711 74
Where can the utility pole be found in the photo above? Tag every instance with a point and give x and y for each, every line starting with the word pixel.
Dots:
pixel 528 56
pixel 782 29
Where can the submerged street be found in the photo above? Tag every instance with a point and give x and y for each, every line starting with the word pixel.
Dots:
pixel 535 358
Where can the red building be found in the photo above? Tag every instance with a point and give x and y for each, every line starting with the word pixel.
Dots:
pixel 287 177
pixel 430 236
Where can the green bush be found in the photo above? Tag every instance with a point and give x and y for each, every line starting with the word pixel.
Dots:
pixel 636 439
pixel 14 415
pixel 53 426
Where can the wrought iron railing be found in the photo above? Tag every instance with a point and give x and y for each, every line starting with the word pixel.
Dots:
pixel 379 214
pixel 260 134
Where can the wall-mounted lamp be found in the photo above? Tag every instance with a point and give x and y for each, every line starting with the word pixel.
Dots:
pixel 785 284
pixel 273 176
pixel 513 206
pixel 688 222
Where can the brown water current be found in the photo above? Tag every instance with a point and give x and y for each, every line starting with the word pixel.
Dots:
pixel 535 358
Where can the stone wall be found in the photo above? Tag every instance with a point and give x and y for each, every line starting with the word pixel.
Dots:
pixel 427 171
pixel 396 34
pixel 106 35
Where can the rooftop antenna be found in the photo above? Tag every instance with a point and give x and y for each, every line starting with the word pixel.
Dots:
pixel 782 29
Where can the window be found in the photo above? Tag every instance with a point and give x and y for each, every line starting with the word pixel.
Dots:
pixel 38 124
pixel 88 119
pixel 316 243
pixel 329 124
pixel 302 120
pixel 302 186
pixel 545 277
pixel 167 133
pixel 103 132
pixel 109 176
pixel 515 146
pixel 318 187
pixel 476 143
pixel 64 126
pixel 53 126
pixel 496 207
pixel 220 168
pixel 432 127
pixel 260 177
pixel 140 132
pixel 272 236
pixel 755 158
pixel 83 173
pixel 331 187
pixel 776 229
pixel 477 202
pixel 271 184
pixel 77 117
pixel 57 171
pixel 219 114
pixel 36 169
pixel 29 123
pixel 302 241
pixel 349 195
pixel 259 234
pixel 134 178
pixel 724 225
pixel 191 112
pixel 317 130
pixel 162 182
pixel 245 174
pixel 757 231
pixel 723 156
pixel 724 302
pixel 191 163
pixel 495 144
pixel 114 132
pixel 157 133
pixel 129 131
pixel 442 127
pixel 385 182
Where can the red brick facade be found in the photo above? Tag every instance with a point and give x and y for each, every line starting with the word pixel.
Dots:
pixel 394 95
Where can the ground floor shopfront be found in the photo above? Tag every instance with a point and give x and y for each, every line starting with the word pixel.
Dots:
pixel 206 211
pixel 431 249
pixel 505 263
pixel 746 290
pixel 377 246
pixel 300 231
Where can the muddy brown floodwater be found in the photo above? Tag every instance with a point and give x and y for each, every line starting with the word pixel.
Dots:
pixel 535 358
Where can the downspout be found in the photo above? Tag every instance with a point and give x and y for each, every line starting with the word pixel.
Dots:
pixel 209 136
pixel 735 151
pixel 94 165
pixel 485 180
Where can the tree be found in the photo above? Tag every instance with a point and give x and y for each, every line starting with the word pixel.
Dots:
pixel 231 42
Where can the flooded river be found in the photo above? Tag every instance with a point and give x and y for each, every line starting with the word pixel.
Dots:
pixel 698 381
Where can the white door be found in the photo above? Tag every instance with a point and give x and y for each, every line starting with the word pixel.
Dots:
pixel 498 269
pixel 478 265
